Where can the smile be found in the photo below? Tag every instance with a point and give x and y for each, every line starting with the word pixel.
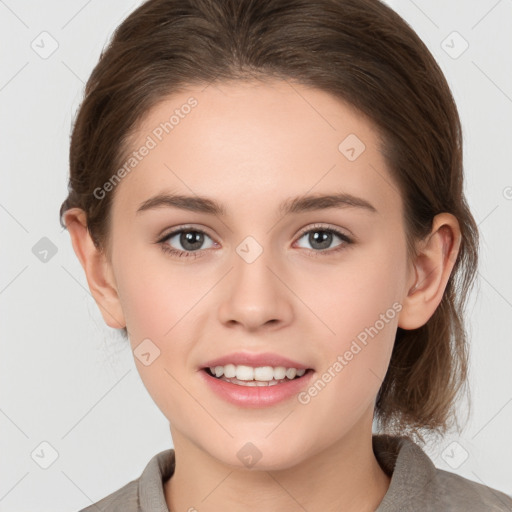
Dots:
pixel 259 376
pixel 258 386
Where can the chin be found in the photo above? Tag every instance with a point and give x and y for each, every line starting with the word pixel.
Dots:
pixel 258 455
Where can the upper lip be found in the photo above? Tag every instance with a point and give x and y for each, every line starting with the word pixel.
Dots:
pixel 255 360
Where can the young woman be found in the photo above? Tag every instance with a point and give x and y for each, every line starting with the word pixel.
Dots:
pixel 267 199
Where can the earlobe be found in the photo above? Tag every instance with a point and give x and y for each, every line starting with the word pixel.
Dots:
pixel 98 270
pixel 431 270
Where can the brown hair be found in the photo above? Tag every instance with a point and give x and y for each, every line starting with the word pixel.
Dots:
pixel 360 51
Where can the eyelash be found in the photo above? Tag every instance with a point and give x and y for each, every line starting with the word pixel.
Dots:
pixel 195 254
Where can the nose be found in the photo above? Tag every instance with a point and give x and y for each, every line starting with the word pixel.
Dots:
pixel 255 296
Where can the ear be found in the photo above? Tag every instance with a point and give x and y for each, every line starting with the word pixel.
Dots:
pixel 431 270
pixel 98 269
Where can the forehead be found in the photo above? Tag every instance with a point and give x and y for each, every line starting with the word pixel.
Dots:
pixel 249 144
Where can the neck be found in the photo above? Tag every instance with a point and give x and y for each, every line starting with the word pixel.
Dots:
pixel 343 477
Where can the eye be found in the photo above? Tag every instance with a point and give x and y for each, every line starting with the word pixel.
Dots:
pixel 320 239
pixel 191 241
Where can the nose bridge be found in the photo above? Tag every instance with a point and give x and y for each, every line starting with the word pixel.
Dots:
pixel 255 296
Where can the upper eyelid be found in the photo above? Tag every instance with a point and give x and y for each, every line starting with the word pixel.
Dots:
pixel 326 227
pixel 185 227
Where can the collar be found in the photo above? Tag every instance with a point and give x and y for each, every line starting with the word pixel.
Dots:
pixel 411 470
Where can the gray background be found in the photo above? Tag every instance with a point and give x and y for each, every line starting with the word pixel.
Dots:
pixel 69 389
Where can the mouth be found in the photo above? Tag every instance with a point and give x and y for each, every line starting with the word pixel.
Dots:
pixel 256 377
pixel 254 384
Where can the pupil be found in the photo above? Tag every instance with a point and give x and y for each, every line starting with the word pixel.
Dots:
pixel 323 238
pixel 191 240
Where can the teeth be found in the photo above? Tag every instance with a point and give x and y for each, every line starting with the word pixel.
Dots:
pixel 260 373
pixel 291 372
pixel 229 370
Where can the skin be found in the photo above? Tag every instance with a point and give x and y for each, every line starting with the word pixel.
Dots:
pixel 250 146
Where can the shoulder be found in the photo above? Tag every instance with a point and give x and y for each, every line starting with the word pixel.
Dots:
pixel 143 494
pixel 125 499
pixel 416 484
pixel 469 495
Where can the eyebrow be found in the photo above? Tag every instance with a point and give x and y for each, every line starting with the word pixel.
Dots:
pixel 294 205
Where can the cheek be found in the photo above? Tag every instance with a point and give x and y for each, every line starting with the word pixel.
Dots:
pixel 157 295
pixel 352 295
pixel 163 302
pixel 159 305
pixel 359 305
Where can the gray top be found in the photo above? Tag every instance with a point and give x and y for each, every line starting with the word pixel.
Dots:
pixel 416 485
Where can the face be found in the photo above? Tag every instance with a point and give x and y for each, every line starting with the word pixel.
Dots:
pixel 319 282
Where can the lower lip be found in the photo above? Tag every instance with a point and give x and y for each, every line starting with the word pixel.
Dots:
pixel 256 396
